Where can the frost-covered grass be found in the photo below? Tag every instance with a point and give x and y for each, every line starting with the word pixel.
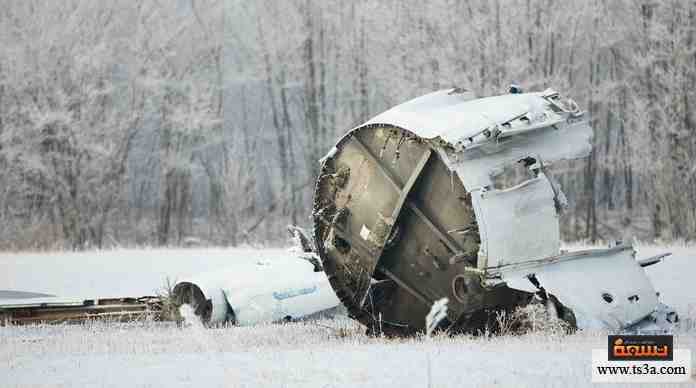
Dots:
pixel 327 353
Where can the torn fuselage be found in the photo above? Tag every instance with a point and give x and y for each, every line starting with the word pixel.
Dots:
pixel 406 213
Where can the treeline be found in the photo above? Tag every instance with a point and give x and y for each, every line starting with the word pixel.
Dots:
pixel 202 121
pixel 106 111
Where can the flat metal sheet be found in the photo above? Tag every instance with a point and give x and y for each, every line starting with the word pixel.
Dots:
pixel 42 301
pixel 517 224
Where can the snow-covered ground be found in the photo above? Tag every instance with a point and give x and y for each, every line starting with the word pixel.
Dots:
pixel 328 353
pixel 113 273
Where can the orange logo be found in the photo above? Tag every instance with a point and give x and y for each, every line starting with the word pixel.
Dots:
pixel 641 347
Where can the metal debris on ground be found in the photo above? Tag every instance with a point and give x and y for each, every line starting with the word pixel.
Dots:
pixel 422 218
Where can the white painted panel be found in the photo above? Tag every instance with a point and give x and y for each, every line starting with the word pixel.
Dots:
pixel 454 117
pixel 517 224
pixel 475 167
pixel 582 280
pixel 267 291
pixel 277 299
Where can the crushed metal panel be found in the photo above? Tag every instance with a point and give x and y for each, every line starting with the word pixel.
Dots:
pixel 455 116
pixel 483 135
pixel 517 224
pixel 605 288
pixel 476 166
pixel 429 254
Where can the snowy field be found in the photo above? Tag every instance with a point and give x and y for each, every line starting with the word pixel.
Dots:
pixel 327 353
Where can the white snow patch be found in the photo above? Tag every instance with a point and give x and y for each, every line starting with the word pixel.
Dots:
pixel 327 353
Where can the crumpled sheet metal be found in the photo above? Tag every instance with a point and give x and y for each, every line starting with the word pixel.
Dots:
pixel 478 138
pixel 605 288
pixel 518 226
pixel 264 292
pixel 476 166
pixel 529 124
pixel 454 115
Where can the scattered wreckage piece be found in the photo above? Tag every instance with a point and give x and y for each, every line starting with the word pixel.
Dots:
pixel 408 210
pixel 267 291
pixel 63 310
pixel 246 293
pixel 605 288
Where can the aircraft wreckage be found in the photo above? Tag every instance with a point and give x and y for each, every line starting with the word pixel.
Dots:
pixel 247 292
pixel 409 209
pixel 273 291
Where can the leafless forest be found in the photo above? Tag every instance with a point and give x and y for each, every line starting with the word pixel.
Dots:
pixel 174 122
